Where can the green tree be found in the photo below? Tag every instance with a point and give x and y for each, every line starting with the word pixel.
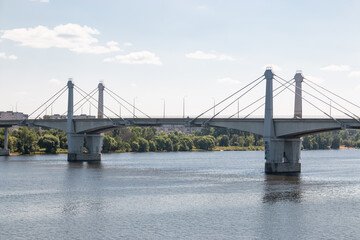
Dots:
pixel 136 132
pixel 207 131
pixel 204 142
pixel 152 146
pixel 183 145
pixel 26 140
pixel 160 143
pixel 223 140
pixel 149 133
pixel 50 142
pixel 134 146
pixel 143 145
pixel 219 131
pixel 127 147
pixel 189 142
pixel 335 144
pixel 109 143
pixel 168 145
pixel 249 140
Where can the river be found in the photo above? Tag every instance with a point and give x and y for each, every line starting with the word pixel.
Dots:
pixel 188 195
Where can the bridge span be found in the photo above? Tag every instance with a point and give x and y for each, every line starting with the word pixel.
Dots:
pixel 282 136
pixel 283 127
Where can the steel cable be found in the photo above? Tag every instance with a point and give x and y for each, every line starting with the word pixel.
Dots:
pixel 227 98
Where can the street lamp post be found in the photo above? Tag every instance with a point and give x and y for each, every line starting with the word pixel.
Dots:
pixel 163 107
pixel 214 105
pixel 238 110
pixel 184 106
pixel 134 107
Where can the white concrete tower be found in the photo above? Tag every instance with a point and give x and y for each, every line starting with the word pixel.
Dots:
pixel 298 94
pixel 70 114
pixel 282 154
pixel 268 121
pixel 101 88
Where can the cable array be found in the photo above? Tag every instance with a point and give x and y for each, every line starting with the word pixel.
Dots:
pixel 346 112
pixel 227 98
pixel 112 94
pixel 321 93
pixel 56 96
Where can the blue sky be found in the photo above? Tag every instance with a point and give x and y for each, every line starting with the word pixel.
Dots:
pixel 153 51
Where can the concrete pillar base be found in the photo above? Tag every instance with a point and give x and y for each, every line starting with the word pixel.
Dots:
pixel 84 157
pixel 4 152
pixel 273 168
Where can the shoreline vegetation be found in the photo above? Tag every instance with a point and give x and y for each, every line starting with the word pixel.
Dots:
pixel 137 139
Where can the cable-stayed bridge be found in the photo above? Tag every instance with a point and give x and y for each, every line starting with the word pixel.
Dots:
pixel 282 136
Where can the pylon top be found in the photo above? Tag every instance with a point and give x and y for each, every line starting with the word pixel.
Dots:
pixel 298 76
pixel 101 85
pixel 268 73
pixel 70 83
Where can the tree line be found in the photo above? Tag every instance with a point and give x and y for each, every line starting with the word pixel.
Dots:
pixel 137 139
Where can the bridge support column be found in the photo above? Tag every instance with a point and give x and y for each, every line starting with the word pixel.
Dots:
pixel 282 155
pixel 76 141
pixel 5 151
pixel 76 149
pixel 94 146
pixel 298 94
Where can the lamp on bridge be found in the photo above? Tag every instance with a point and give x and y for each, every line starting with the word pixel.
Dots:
pixel 184 106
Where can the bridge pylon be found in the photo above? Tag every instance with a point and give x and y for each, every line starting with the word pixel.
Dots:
pixel 282 155
pixel 75 140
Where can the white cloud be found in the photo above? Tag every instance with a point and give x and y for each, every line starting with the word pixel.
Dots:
pixel 336 68
pixel 228 80
pixel 133 85
pixel 354 74
pixel 4 56
pixel 209 56
pixel 128 44
pixel 55 81
pixel 226 58
pixel 274 67
pixel 142 57
pixel 315 79
pixel 12 57
pixel 23 93
pixel 200 55
pixel 70 36
pixel 42 1
pixel 201 7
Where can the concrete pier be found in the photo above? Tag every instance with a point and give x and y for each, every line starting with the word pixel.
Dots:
pixel 282 155
pixel 76 142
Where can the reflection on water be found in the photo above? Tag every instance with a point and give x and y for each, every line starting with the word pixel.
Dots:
pixel 83 191
pixel 282 187
pixel 90 164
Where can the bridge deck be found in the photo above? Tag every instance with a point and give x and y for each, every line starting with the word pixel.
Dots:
pixel 284 127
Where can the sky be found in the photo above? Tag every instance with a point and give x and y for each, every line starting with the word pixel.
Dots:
pixel 170 52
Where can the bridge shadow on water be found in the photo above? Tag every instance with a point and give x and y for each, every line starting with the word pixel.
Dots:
pixel 282 188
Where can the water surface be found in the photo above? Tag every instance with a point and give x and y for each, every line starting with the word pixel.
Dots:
pixel 191 195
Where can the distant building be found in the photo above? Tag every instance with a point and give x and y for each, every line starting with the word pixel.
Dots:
pixel 177 128
pixel 58 116
pixel 10 115
pixel 83 116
